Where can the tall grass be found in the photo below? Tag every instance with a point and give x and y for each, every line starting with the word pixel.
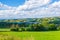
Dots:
pixel 9 37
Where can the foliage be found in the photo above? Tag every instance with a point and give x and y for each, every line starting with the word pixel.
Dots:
pixel 14 28
pixel 32 24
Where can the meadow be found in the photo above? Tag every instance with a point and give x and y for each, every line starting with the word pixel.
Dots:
pixel 47 35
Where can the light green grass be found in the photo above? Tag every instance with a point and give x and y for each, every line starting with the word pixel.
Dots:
pixel 6 29
pixel 52 35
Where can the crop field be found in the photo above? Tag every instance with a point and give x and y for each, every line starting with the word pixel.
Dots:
pixel 49 35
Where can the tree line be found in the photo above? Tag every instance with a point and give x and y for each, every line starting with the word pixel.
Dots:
pixel 35 24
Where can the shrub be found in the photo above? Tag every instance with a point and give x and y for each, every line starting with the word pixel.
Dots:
pixel 15 29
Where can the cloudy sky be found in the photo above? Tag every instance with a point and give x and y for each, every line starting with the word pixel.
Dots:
pixel 10 9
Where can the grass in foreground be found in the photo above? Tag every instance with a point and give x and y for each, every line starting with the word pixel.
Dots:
pixel 52 35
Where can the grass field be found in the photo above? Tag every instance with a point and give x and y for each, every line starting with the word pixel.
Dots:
pixel 51 35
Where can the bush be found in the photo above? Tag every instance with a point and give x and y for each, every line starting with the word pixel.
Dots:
pixel 15 29
pixel 58 28
pixel 22 29
pixel 52 27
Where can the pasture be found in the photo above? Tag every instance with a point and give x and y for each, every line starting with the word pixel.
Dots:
pixel 48 35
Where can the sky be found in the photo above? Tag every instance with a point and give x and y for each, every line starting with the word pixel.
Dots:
pixel 16 9
pixel 12 2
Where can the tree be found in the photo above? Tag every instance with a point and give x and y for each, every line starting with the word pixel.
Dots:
pixel 14 27
pixel 17 27
pixel 52 27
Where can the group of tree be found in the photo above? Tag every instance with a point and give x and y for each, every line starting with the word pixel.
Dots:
pixel 35 24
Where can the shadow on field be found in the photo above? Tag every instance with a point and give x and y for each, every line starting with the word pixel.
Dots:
pixel 30 31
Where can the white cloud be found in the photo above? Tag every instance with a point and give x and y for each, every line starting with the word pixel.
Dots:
pixel 6 7
pixel 51 9
pixel 32 9
pixel 33 4
pixel 6 11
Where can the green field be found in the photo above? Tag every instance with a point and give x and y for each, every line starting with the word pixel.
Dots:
pixel 51 35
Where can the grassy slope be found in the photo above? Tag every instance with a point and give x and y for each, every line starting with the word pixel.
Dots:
pixel 54 35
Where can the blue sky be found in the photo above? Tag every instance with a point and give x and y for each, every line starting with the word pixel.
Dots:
pixel 12 2
pixel 29 8
pixel 16 2
pixel 55 1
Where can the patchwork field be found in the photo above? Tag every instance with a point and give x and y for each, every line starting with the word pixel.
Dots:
pixel 52 35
